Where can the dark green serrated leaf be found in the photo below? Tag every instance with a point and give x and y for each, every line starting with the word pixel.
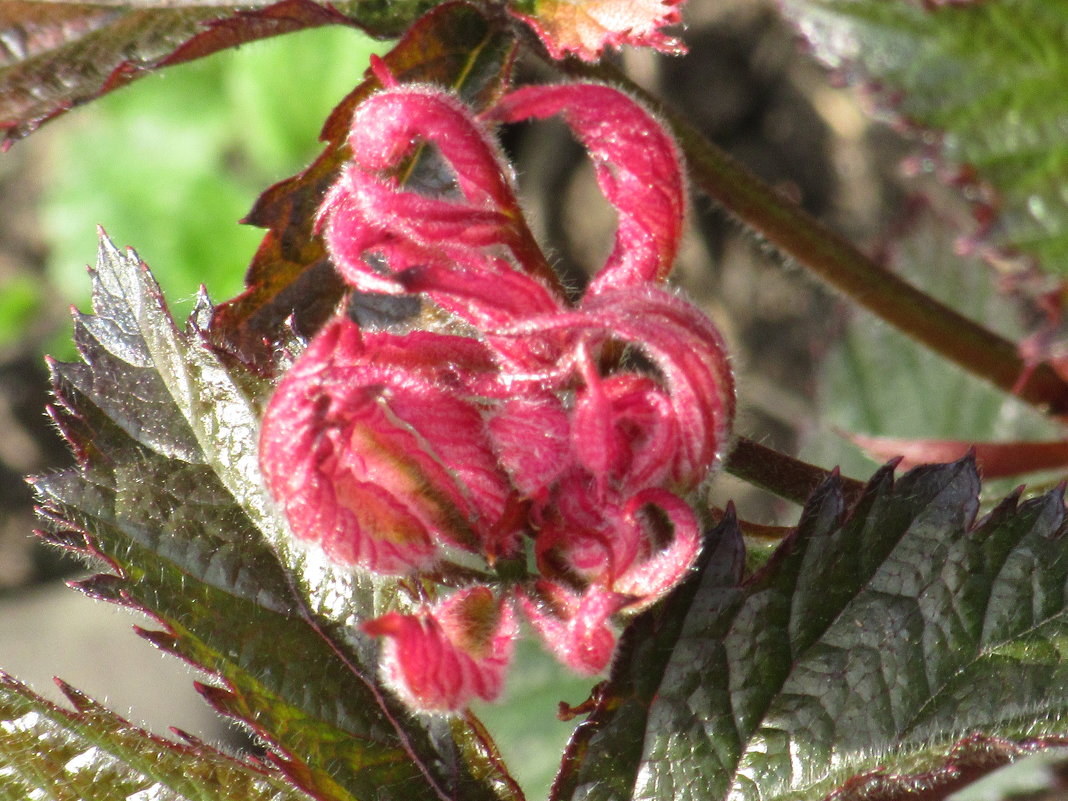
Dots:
pixel 195 542
pixel 57 55
pixel 90 754
pixel 990 75
pixel 869 644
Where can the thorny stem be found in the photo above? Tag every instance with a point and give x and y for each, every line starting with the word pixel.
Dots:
pixel 839 263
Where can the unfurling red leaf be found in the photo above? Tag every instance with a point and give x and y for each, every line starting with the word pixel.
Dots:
pixel 584 28
pixel 443 657
pixel 377 452
pixel 870 644
pixel 637 167
pixel 574 626
pixel 291 276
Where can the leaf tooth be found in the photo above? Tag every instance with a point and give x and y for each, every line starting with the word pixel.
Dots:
pixel 72 428
pixel 79 700
pixel 104 587
pixel 9 682
pixel 66 538
pixel 220 699
pixel 199 319
pixel 191 739
pixel 163 640
pixel 298 773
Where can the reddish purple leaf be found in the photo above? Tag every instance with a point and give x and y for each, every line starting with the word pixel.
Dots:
pixel 59 55
pixel 586 27
pixel 994 459
pixel 454 46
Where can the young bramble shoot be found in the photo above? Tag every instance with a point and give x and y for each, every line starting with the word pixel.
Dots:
pixel 345 494
pixel 389 448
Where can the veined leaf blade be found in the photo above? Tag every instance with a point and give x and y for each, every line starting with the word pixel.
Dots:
pixel 90 754
pixel 195 542
pixel 872 642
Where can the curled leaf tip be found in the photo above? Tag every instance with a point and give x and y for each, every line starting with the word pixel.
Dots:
pixel 584 28
pixel 445 656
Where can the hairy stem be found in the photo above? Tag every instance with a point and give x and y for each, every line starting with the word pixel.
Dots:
pixel 783 475
pixel 839 263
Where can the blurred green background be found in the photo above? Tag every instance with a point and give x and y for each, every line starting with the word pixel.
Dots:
pixel 170 164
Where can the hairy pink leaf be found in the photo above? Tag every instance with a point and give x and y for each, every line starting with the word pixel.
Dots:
pixel 575 627
pixel 637 167
pixel 445 656
pixel 374 449
pixel 682 343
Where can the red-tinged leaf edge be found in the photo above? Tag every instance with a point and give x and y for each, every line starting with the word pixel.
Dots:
pixel 220 699
pixel 104 587
pixel 228 704
pixel 68 539
pixel 163 640
pixel 218 33
pixel 994 459
pixel 635 681
pixel 285 16
pixel 86 710
pixel 969 760
pixel 291 279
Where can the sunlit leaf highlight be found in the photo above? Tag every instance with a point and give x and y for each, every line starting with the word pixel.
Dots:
pixel 872 642
pixel 90 754
pixel 169 496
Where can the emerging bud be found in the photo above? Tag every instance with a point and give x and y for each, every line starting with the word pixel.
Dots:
pixel 575 626
pixel 390 449
pixel 442 658
pixel 376 450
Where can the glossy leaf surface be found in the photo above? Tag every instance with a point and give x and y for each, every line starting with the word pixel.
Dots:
pixel 91 754
pixel 168 494
pixel 987 79
pixel 861 653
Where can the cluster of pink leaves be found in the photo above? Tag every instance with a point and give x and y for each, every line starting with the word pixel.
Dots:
pixel 517 423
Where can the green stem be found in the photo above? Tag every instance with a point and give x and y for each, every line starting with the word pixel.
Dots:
pixel 839 263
